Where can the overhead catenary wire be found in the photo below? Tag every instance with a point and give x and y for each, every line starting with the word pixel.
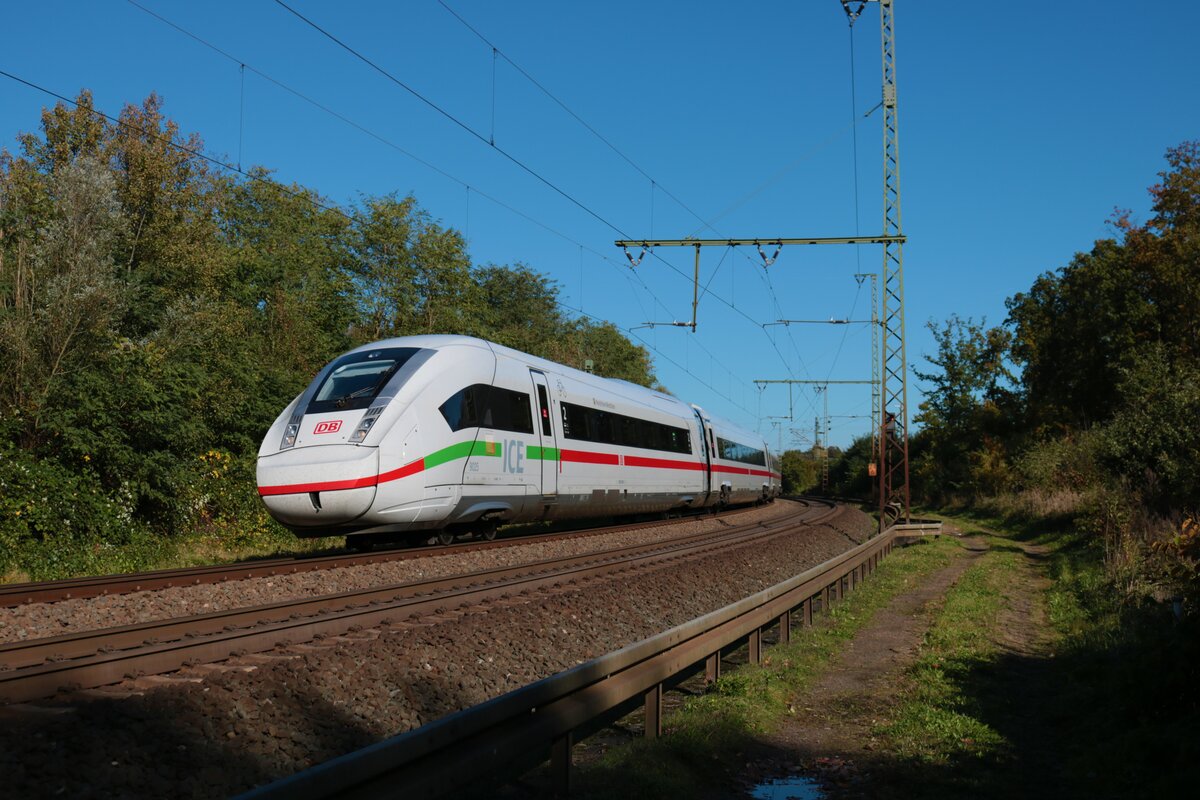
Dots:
pixel 464 126
pixel 654 184
pixel 391 144
pixel 455 120
pixel 608 143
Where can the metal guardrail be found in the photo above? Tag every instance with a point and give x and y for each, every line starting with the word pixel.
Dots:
pixel 516 731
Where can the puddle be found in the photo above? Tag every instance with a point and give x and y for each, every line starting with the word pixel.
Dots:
pixel 793 788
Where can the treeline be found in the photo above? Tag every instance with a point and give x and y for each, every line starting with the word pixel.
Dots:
pixel 1085 402
pixel 157 312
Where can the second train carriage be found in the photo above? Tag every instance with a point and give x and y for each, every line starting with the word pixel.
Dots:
pixel 457 434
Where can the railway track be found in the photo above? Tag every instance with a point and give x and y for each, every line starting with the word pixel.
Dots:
pixel 17 594
pixel 39 668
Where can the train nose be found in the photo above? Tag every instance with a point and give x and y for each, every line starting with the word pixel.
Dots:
pixel 316 487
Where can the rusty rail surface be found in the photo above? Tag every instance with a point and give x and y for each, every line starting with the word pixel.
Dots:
pixel 35 668
pixel 16 594
pixel 516 731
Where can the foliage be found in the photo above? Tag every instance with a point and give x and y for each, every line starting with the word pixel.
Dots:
pixel 850 473
pixel 967 411
pixel 801 471
pixel 155 316
pixel 1085 403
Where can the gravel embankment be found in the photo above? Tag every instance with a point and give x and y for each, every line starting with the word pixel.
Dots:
pixel 38 620
pixel 238 728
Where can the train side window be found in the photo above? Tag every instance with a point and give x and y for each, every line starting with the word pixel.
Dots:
pixel 510 411
pixel 544 406
pixel 735 451
pixel 606 427
pixel 488 407
pixel 461 410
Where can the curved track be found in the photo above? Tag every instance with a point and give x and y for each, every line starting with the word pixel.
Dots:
pixel 41 667
pixel 17 594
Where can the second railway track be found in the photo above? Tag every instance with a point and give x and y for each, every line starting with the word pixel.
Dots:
pixel 38 668
pixel 17 594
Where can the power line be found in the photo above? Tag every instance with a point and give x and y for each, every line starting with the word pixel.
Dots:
pixel 181 147
pixel 653 183
pixel 491 144
pixel 518 162
pixel 661 354
pixel 706 224
pixel 391 144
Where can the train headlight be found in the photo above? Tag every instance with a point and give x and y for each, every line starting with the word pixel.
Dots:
pixel 289 436
pixel 363 428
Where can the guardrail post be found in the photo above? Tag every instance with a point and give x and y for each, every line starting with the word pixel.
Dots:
pixel 712 667
pixel 654 711
pixel 756 645
pixel 807 611
pixel 826 599
pixel 785 627
pixel 560 765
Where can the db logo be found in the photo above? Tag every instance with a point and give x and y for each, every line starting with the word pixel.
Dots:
pixel 333 426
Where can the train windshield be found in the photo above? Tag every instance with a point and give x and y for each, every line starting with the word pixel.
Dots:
pixel 357 378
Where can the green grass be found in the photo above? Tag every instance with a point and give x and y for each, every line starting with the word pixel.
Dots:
pixel 935 719
pixel 950 734
pixel 141 550
pixel 1109 711
pixel 707 737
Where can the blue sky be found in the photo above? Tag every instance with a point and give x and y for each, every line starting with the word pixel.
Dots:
pixel 1022 126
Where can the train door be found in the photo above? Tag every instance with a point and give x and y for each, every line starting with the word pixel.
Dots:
pixel 706 450
pixel 548 450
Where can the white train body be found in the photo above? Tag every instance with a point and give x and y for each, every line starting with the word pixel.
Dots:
pixel 451 432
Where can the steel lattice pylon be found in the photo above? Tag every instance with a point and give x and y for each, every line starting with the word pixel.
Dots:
pixel 893 473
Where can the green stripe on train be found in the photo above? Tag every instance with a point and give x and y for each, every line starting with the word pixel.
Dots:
pixel 463 450
pixel 536 453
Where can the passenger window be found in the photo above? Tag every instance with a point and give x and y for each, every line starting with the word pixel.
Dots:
pixel 544 405
pixel 488 407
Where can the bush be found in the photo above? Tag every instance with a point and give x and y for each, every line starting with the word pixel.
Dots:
pixel 55 522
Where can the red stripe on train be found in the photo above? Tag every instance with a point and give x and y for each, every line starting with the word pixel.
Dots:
pixel 662 463
pixel 589 457
pixel 354 483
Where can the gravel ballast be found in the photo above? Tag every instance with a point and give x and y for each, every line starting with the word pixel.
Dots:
pixel 215 731
pixel 38 620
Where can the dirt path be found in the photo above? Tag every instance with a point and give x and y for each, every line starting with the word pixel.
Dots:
pixel 830 736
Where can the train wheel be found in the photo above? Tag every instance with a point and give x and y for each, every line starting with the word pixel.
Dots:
pixel 444 537
pixel 488 532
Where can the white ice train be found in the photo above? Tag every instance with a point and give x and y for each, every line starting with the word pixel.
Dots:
pixel 451 434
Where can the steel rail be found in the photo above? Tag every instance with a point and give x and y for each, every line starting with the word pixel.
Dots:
pixel 17 594
pixel 41 667
pixel 507 735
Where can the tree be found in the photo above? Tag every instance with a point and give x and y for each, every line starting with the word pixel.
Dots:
pixel 412 276
pixel 60 314
pixel 291 263
pixel 519 308
pixel 968 409
pixel 612 355
pixel 800 471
